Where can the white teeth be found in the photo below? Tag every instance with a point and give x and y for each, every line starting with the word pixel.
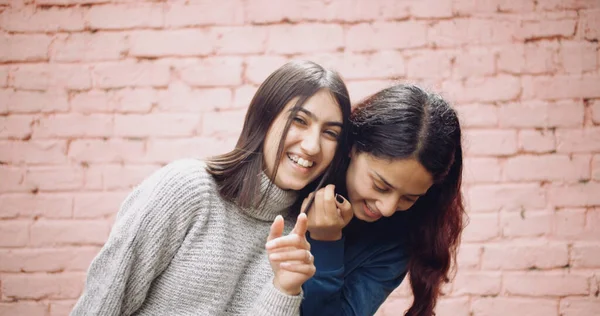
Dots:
pixel 301 161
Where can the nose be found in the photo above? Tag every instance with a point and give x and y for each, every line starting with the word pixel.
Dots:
pixel 387 205
pixel 311 142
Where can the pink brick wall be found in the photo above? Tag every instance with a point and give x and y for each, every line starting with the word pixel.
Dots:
pixel 96 94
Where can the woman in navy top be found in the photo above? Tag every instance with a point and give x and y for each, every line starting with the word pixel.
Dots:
pixel 404 211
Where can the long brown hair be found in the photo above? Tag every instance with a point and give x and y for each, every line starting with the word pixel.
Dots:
pixel 237 172
pixel 403 122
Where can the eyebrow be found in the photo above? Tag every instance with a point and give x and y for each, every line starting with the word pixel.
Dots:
pixel 391 186
pixel 314 117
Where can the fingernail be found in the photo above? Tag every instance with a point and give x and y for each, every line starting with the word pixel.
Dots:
pixel 339 198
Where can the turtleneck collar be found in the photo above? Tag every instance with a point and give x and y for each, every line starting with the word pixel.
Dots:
pixel 276 202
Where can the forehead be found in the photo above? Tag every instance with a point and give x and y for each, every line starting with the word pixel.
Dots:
pixel 322 104
pixel 407 175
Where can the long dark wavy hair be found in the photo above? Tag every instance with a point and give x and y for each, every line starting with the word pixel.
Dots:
pixel 237 172
pixel 404 122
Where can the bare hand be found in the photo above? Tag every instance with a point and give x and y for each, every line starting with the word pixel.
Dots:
pixel 328 215
pixel 290 256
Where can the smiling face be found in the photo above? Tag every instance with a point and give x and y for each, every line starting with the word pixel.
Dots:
pixel 380 187
pixel 310 144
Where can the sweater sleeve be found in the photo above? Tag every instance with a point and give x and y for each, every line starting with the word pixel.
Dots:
pixel 273 302
pixel 334 291
pixel 150 227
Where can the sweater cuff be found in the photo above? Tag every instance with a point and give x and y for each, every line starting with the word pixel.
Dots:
pixel 329 255
pixel 274 302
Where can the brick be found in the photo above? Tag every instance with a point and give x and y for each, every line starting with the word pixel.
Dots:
pixel 67 2
pixel 73 125
pixel 431 9
pixel 376 36
pixel 481 170
pixel 578 140
pixel 23 308
pixel 499 306
pixel 143 126
pixel 569 223
pixel 578 57
pixel 469 256
pixel 573 306
pixel 127 100
pixel 35 101
pixel 38 205
pixel 106 151
pixel 490 142
pixel 481 227
pixel 86 47
pixel 69 232
pixel 474 62
pixel 19 48
pixel 560 87
pixel 4 71
pixel 258 68
pixel 181 98
pixel 512 197
pixel 12 179
pixel 361 89
pixel 211 72
pixel 52 19
pixel 42 285
pixel 62 307
pixel 130 74
pixel 57 178
pixel 455 306
pixel 546 283
pixel 524 255
pixel 477 115
pixel 596 167
pixel 240 40
pixel 469 7
pixel 531 58
pixel 541 114
pixel 537 141
pixel 47 76
pixel 596 111
pixel 492 89
pixel 590 24
pixel 33 152
pixel 163 151
pixel 304 38
pixel 185 42
pixel 560 25
pixel 95 205
pixel 243 95
pixel 429 64
pixel 477 283
pixel 14 233
pixel 222 124
pixel 124 177
pixel 472 31
pixel 585 255
pixel 547 168
pixel 383 64
pixel 126 16
pixel 226 12
pixel 557 5
pixel 526 223
pixel 47 259
pixel 265 11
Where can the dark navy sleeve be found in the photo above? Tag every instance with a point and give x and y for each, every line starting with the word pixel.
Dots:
pixel 331 291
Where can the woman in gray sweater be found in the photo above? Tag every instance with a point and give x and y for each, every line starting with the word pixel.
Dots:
pixel 190 239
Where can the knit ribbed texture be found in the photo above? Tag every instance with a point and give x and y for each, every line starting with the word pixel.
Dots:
pixel 178 248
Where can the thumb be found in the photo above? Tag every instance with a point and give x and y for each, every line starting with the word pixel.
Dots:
pixel 301 225
pixel 276 228
pixel 344 208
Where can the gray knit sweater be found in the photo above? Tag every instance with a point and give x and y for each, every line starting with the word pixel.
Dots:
pixel 178 248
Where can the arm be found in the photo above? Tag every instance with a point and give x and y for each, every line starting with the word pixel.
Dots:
pixel 149 229
pixel 361 291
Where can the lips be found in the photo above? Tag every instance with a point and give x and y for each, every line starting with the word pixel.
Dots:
pixel 370 213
